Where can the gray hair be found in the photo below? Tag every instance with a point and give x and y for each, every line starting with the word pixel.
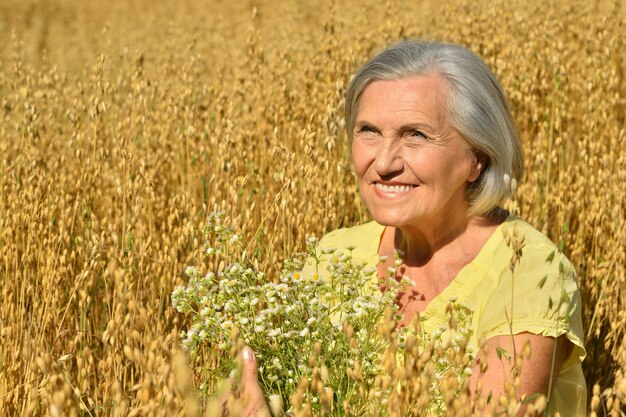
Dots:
pixel 476 103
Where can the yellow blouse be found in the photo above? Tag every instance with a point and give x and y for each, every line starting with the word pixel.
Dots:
pixel 546 297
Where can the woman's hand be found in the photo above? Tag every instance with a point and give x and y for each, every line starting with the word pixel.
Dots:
pixel 254 400
pixel 245 400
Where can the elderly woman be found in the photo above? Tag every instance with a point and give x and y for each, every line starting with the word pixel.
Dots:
pixel 434 148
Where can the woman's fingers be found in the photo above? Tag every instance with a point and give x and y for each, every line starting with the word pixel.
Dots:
pixel 253 397
pixel 252 401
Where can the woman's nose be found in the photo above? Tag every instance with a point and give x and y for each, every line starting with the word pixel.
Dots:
pixel 388 159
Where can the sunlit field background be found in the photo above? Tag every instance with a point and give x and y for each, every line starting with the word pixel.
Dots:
pixel 122 123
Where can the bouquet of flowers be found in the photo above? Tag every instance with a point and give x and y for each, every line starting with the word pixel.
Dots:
pixel 324 340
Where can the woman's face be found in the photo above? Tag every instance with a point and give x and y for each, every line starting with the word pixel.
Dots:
pixel 412 166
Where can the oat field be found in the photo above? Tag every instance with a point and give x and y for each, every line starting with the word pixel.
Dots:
pixel 122 123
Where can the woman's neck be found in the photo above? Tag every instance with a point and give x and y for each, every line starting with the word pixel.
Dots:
pixel 420 243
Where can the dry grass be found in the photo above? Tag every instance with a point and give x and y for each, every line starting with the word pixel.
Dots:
pixel 122 124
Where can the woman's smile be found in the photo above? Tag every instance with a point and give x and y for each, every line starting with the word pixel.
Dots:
pixel 392 190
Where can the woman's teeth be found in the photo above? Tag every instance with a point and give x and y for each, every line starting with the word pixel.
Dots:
pixel 393 188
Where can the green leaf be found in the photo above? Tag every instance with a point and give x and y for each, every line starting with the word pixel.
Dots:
pixel 531 399
pixel 502 352
pixel 564 296
pixel 550 303
pixel 543 281
pixel 550 257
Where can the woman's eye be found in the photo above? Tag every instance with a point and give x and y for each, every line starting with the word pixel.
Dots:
pixel 366 129
pixel 417 134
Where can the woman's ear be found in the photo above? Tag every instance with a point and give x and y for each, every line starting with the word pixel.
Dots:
pixel 480 163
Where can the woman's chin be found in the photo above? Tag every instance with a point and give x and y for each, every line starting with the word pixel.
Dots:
pixel 405 216
pixel 391 220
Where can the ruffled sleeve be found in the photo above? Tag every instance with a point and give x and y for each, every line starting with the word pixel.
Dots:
pixel 540 296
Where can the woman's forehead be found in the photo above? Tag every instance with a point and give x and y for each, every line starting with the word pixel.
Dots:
pixel 404 99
